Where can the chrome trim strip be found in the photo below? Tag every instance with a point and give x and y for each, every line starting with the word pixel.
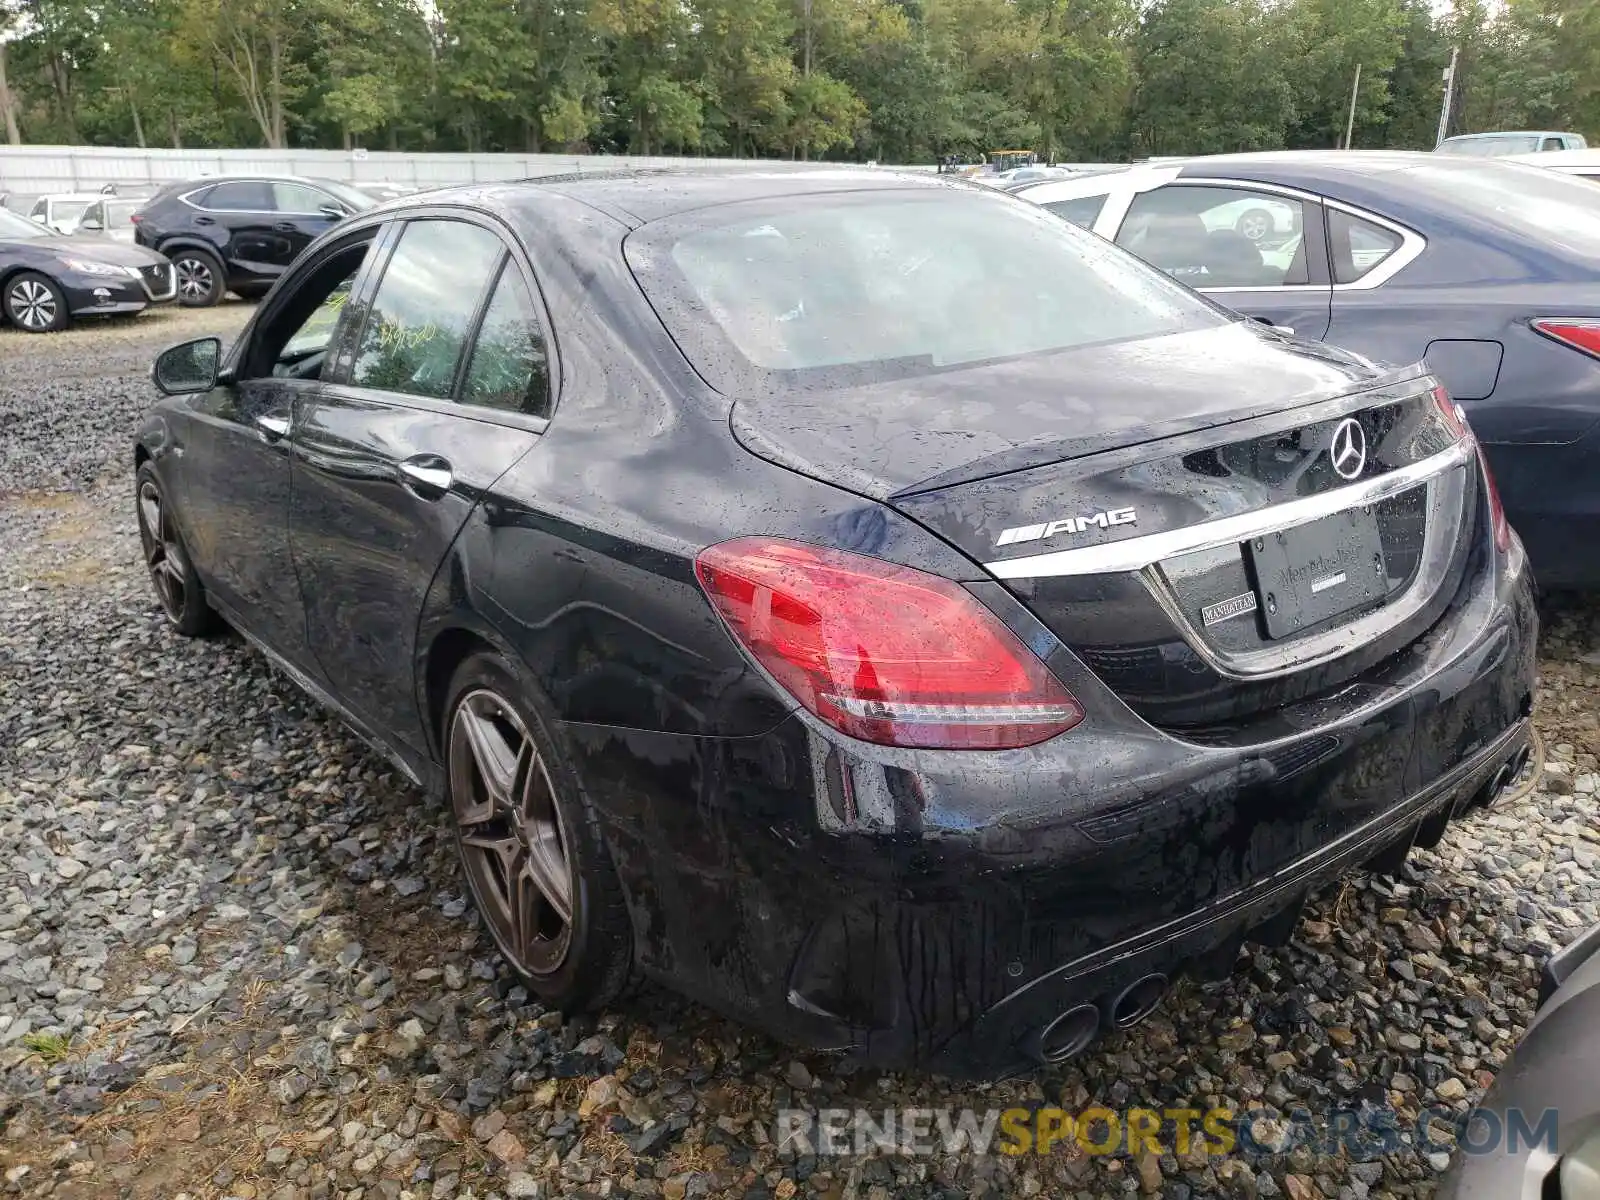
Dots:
pixel 172 285
pixel 1137 553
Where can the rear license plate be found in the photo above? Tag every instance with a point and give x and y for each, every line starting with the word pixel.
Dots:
pixel 1308 574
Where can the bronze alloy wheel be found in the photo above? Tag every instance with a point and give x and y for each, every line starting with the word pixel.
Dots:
pixel 514 845
pixel 163 553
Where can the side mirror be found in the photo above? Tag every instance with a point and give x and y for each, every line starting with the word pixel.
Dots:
pixel 333 211
pixel 91 224
pixel 188 367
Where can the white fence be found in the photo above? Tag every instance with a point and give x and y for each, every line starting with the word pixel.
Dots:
pixel 30 171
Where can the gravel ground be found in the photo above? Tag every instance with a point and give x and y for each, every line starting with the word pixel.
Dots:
pixel 236 958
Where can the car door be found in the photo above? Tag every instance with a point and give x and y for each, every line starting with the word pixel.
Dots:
pixel 391 458
pixel 242 209
pixel 1258 249
pixel 235 473
pixel 304 214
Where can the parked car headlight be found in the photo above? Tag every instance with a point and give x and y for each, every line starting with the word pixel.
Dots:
pixel 88 266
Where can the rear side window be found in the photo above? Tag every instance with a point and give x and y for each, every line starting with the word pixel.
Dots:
pixel 509 369
pixel 828 291
pixel 424 308
pixel 1219 236
pixel 245 196
pixel 1358 245
pixel 1080 210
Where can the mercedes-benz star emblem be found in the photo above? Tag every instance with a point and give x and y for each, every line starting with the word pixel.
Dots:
pixel 1348 450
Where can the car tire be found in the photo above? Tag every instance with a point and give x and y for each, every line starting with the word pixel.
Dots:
pixel 523 825
pixel 1254 223
pixel 201 280
pixel 172 574
pixel 35 304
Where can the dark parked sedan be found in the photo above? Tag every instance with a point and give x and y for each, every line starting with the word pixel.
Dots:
pixel 47 280
pixel 1536 1136
pixel 1487 270
pixel 865 602
pixel 239 234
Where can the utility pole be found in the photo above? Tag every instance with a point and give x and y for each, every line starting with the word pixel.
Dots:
pixel 1449 94
pixel 1350 125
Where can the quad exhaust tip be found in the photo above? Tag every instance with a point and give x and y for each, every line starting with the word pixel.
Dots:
pixel 1074 1030
pixel 1069 1034
pixel 1138 1000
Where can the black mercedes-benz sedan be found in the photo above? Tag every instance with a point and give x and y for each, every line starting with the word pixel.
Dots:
pixel 867 603
pixel 47 280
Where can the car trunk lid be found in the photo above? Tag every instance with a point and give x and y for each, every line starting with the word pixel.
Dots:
pixel 1172 509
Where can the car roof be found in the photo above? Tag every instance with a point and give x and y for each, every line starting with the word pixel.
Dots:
pixel 646 196
pixel 1559 158
pixel 1411 187
pixel 1509 133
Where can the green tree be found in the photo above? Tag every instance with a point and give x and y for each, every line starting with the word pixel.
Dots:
pixel 1212 77
pixel 656 105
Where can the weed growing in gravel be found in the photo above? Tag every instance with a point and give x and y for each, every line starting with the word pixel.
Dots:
pixel 50 1047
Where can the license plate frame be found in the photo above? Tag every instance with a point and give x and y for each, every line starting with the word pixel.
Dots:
pixel 1316 571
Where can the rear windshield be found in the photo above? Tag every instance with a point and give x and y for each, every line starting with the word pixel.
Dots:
pixel 1565 210
pixel 828 291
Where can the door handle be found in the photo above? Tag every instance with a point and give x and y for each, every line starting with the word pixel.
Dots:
pixel 272 428
pixel 204 221
pixel 426 475
pixel 284 227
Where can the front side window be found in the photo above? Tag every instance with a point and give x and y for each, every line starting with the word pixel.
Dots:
pixel 249 195
pixel 298 198
pixel 424 308
pixel 69 212
pixel 509 368
pixel 1358 245
pixel 1080 210
pixel 823 292
pixel 13 226
pixel 1219 236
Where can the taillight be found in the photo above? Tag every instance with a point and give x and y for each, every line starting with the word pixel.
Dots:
pixel 1457 422
pixel 882 652
pixel 1497 512
pixel 1451 412
pixel 1581 333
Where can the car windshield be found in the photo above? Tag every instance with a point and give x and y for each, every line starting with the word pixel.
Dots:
pixel 1566 210
pixel 822 292
pixel 14 225
pixel 1492 147
pixel 68 210
pixel 353 197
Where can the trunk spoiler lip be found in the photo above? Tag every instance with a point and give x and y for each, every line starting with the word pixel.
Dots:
pixel 986 469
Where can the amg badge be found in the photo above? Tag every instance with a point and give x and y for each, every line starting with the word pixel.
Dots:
pixel 1100 520
pixel 1225 610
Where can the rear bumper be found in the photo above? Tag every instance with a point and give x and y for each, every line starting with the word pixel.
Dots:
pixel 940 909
